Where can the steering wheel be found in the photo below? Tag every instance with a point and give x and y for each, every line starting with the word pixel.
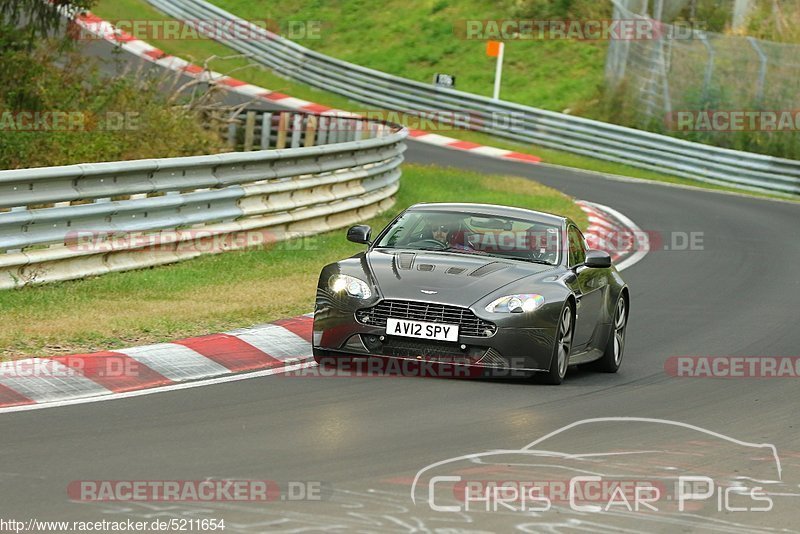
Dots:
pixel 548 256
pixel 429 242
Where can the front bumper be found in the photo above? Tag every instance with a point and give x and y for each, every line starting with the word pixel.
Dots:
pixel 514 346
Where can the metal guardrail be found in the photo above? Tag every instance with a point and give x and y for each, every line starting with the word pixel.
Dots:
pixel 264 129
pixel 60 223
pixel 505 119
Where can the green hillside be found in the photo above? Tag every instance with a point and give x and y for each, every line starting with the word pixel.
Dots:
pixel 418 38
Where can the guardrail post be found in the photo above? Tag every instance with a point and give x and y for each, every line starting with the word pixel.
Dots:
pixel 297 129
pixel 322 136
pixel 266 130
pixel 232 134
pixel 249 131
pixel 282 126
pixel 311 130
pixel 333 134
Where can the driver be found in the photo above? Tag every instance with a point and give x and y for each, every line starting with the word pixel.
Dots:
pixel 446 232
pixel 441 233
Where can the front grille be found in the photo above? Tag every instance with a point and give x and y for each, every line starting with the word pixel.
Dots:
pixel 468 323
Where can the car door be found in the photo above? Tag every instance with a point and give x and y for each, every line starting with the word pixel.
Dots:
pixel 588 289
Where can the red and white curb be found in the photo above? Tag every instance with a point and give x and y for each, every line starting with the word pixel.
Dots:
pixel 615 233
pixel 263 350
pixel 272 347
pixel 101 28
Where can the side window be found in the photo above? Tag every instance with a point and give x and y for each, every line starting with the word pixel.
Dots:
pixel 577 248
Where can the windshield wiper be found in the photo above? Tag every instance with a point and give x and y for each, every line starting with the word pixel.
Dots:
pixel 528 260
pixel 451 249
pixel 466 251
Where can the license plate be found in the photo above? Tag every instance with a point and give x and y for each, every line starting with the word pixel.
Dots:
pixel 422 330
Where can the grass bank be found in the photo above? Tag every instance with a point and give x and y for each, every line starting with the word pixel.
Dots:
pixel 231 290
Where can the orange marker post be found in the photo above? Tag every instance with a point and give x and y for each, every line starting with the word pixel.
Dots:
pixel 496 49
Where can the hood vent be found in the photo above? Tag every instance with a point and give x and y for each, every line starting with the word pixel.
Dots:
pixel 489 268
pixel 425 267
pixel 455 270
pixel 405 260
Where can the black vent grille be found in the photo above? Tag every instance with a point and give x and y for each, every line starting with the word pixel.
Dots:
pixel 429 351
pixel 468 323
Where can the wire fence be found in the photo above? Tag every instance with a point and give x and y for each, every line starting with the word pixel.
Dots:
pixel 691 70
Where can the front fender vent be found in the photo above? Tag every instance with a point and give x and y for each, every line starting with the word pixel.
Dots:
pixel 405 260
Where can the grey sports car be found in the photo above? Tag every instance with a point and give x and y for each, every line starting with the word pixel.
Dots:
pixel 490 288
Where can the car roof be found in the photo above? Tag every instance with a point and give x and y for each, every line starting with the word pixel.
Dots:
pixel 492 210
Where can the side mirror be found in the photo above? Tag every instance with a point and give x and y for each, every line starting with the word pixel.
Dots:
pixel 597 259
pixel 359 234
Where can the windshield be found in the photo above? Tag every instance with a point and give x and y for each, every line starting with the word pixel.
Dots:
pixel 469 233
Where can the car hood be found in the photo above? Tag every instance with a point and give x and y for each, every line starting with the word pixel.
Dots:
pixel 460 279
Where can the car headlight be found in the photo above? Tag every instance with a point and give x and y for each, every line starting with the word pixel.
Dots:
pixel 516 303
pixel 342 283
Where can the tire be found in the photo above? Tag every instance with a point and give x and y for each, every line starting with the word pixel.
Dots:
pixel 615 347
pixel 561 348
pixel 322 357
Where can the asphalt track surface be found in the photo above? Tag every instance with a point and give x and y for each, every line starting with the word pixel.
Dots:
pixel 365 438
